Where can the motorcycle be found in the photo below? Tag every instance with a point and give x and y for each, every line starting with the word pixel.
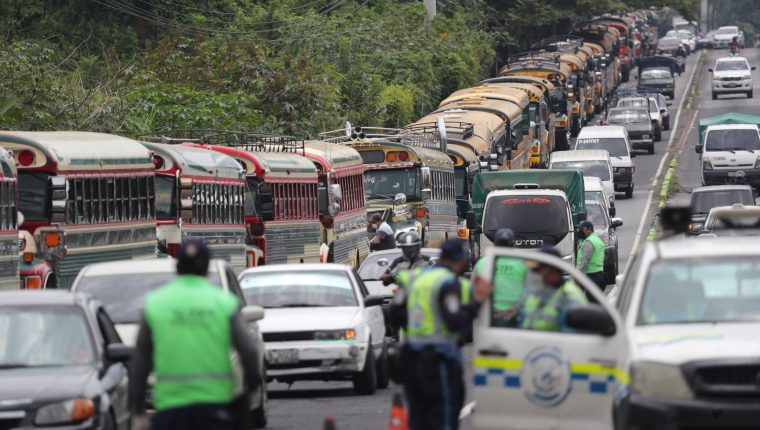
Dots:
pixel 680 65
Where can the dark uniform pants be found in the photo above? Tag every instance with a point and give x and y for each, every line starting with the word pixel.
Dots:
pixel 195 417
pixel 434 391
pixel 600 279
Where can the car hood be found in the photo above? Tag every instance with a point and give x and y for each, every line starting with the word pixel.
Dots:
pixel 621 161
pixel 679 343
pixel 732 74
pixel 128 333
pixel 34 384
pixel 725 36
pixel 279 320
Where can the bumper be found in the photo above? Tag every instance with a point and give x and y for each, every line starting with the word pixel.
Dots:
pixel 638 413
pixel 641 143
pixel 622 180
pixel 739 176
pixel 731 87
pixel 317 360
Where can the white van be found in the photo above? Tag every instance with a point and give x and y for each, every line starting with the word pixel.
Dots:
pixel 592 162
pixel 613 139
pixel 731 155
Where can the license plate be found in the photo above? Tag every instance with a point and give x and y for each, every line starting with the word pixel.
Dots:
pixel 737 174
pixel 732 85
pixel 282 356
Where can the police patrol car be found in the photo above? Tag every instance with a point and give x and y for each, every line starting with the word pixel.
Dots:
pixel 676 347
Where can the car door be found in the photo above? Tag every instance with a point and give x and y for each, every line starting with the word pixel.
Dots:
pixel 528 379
pixel 373 315
pixel 114 379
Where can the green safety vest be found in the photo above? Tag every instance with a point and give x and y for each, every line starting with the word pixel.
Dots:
pixel 596 264
pixel 424 316
pixel 546 316
pixel 508 281
pixel 189 320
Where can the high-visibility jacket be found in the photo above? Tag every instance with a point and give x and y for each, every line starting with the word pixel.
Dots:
pixel 537 314
pixel 189 321
pixel 596 264
pixel 425 324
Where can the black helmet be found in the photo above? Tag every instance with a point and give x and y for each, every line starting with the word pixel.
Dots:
pixel 410 244
pixel 504 237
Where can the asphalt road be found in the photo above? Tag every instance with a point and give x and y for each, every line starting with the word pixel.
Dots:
pixel 304 405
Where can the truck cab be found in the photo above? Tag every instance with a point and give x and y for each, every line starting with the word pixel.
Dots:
pixel 730 154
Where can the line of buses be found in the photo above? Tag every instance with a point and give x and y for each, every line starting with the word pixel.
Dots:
pixel 68 199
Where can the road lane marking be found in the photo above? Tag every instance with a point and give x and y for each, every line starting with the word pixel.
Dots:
pixel 467 410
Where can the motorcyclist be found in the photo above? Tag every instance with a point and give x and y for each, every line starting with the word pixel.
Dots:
pixel 733 45
pixel 680 52
pixel 680 59
pixel 411 258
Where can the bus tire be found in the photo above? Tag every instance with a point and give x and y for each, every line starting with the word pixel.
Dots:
pixel 51 283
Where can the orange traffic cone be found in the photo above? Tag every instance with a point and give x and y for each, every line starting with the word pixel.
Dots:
pixel 399 419
pixel 329 423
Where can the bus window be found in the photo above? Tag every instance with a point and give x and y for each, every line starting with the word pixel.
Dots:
pixel 33 195
pixel 525 122
pixel 166 197
pixel 252 200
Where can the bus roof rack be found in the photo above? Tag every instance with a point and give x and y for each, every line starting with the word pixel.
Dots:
pixel 256 141
pixel 427 134
pixel 542 58
pixel 351 133
pixel 179 135
pixel 564 43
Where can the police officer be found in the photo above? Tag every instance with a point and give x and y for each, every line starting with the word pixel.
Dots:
pixel 433 315
pixel 384 237
pixel 508 280
pixel 411 258
pixel 544 307
pixel 591 255
pixel 186 334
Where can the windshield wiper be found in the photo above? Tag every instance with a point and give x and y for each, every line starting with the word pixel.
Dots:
pixel 300 305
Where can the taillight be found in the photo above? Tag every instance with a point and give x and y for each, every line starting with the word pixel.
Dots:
pixel 33 283
pixel 27 257
pixel 26 158
pixel 172 249
pixel 420 212
pixel 403 156
pixel 390 157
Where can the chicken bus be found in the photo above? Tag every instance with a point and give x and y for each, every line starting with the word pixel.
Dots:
pixel 83 198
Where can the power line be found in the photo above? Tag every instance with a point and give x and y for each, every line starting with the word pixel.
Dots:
pixel 216 12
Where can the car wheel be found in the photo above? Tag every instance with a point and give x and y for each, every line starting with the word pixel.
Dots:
pixel 714 96
pixel 383 374
pixel 629 192
pixel 666 124
pixel 749 94
pixel 259 415
pixel 650 149
pixel 365 382
pixel 658 136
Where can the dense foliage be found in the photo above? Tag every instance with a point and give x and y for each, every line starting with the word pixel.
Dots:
pixel 295 66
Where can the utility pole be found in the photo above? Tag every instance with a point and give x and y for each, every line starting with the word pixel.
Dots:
pixel 430 8
pixel 703 26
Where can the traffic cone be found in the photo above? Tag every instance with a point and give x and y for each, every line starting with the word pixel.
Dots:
pixel 329 423
pixel 399 419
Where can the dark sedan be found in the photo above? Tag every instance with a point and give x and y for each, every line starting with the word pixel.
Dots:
pixel 61 363
pixel 637 122
pixel 659 78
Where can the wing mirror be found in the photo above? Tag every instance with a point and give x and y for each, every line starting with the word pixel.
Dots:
pixel 370 301
pixel 753 68
pixel 252 313
pixel 617 222
pixel 612 211
pixel 591 318
pixel 619 279
pixel 118 352
pixel 698 149
pixel 710 70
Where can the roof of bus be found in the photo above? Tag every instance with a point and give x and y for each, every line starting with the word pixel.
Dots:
pixel 501 92
pixel 461 151
pixel 545 67
pixel 544 84
pixel 427 156
pixel 268 165
pixel 76 150
pixel 196 161
pixel 485 126
pixel 576 60
pixel 502 108
pixel 332 156
pixel 525 88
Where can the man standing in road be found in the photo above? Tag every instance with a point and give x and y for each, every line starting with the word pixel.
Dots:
pixel 591 255
pixel 433 315
pixel 188 329
pixel 384 238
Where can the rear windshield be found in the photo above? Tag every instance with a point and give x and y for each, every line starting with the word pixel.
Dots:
pixel 633 102
pixel 528 216
pixel 655 74
pixel 621 117
pixel 597 168
pixel 732 140
pixel 616 146
pixel 702 202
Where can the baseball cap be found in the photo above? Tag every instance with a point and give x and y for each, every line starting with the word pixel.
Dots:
pixel 376 218
pixel 454 250
pixel 585 224
pixel 193 257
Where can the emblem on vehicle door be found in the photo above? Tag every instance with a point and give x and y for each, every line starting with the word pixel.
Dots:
pixel 545 377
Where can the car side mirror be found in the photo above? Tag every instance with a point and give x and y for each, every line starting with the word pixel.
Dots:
pixel 118 352
pixel 698 149
pixel 753 68
pixel 252 313
pixel 426 194
pixel 662 110
pixel 617 222
pixel 591 318
pixel 370 301
pixel 710 70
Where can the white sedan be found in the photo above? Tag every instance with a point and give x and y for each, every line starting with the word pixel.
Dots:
pixel 321 324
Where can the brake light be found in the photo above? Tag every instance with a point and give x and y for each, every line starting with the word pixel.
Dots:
pixel 390 157
pixel 327 221
pixel 52 239
pixel 420 212
pixel 158 162
pixel 26 158
pixel 27 257
pixel 403 156
pixel 33 283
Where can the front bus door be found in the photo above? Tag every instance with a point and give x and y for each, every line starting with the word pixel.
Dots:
pixel 530 379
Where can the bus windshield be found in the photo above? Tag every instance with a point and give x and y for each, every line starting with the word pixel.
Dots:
pixel 166 197
pixel 386 183
pixel 33 195
pixel 460 182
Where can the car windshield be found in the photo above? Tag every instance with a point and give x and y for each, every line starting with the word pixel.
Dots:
pixel 702 202
pixel 716 289
pixel 295 289
pixel 616 146
pixel 596 214
pixel 389 182
pixel 33 336
pixel 730 220
pixel 123 295
pixel 732 140
pixel 735 65
pixel 376 264
pixel 724 31
pixel 595 195
pixel 632 116
pixel 597 168
pixel 529 216
pixel 655 74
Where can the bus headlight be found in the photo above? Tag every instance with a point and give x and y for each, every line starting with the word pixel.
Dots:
pixel 653 379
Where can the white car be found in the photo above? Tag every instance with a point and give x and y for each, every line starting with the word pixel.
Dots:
pixel 732 220
pixel 121 286
pixel 595 190
pixel 687 39
pixel 613 139
pixel 592 162
pixel 321 324
pixel 724 35
pixel 731 75
pixel 730 155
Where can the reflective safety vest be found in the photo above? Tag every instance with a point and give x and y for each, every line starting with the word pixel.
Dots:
pixel 596 264
pixel 425 324
pixel 508 281
pixel 189 320
pixel 545 315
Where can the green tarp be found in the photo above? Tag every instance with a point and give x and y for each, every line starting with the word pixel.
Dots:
pixel 726 118
pixel 569 181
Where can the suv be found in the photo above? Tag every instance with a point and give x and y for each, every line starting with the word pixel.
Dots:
pixel 731 75
pixel 613 139
pixel 636 121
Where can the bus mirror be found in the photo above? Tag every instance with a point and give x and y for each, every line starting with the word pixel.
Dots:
pixel 267 211
pixel 336 192
pixel 470 217
pixel 427 194
pixel 427 178
pixel 59 205
pixel 186 204
pixel 334 208
pixel 20 218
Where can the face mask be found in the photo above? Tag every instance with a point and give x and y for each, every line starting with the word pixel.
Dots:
pixel 375 226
